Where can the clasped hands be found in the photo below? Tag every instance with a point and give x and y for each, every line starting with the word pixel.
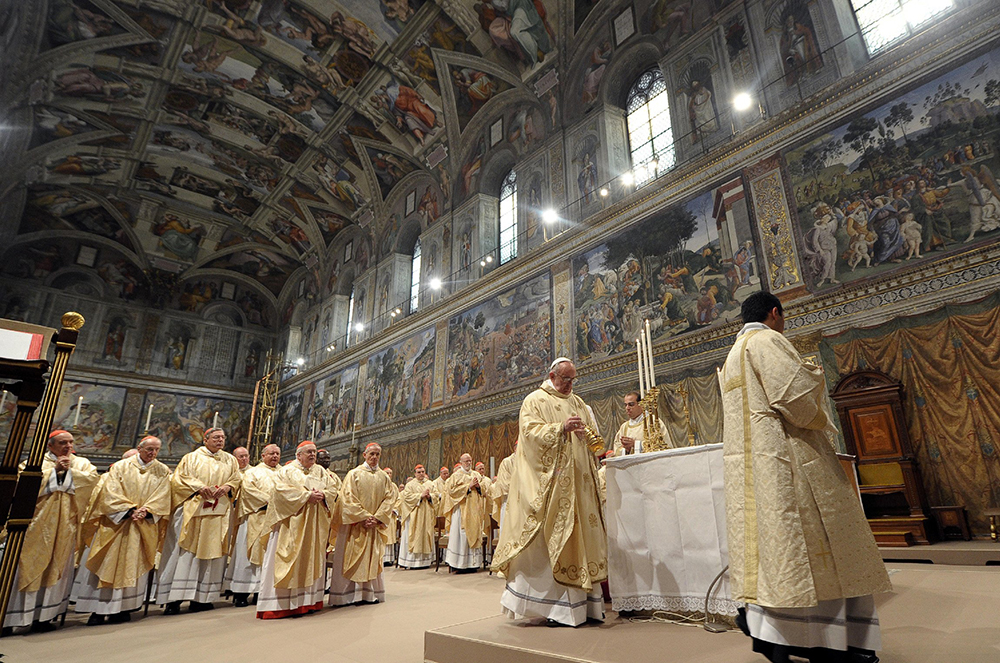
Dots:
pixel 214 492
pixel 140 513
pixel 316 495
pixel 371 522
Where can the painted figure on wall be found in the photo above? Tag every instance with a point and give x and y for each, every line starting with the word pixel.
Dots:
pixel 799 51
pixel 520 27
pixel 400 379
pixel 701 110
pixel 114 340
pixel 599 59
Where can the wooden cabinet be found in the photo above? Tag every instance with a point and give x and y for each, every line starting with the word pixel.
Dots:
pixel 870 406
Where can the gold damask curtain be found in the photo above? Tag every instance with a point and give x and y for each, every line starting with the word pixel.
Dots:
pixel 402 458
pixel 949 364
pixel 495 439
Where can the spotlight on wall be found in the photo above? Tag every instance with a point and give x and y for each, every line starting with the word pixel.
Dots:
pixel 482 263
pixel 550 216
pixel 489 258
pixel 300 361
pixel 435 284
pixel 604 192
pixel 392 315
pixel 628 178
pixel 360 327
pixel 399 311
pixel 742 101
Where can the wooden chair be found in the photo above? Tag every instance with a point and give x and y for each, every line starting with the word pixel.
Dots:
pixel 440 541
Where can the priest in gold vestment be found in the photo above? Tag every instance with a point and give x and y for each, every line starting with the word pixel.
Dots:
pixel 44 576
pixel 553 544
pixel 129 516
pixel 486 483
pixel 236 562
pixel 367 497
pixel 194 553
pixel 467 497
pixel 293 576
pixel 801 554
pixel 417 503
pixel 443 508
pixel 630 435
pixel 251 537
pixel 389 558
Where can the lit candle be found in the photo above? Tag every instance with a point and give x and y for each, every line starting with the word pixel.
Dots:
pixel 3 401
pixel 649 352
pixel 149 415
pixel 215 421
pixel 267 431
pixel 638 363
pixel 313 431
pixel 79 405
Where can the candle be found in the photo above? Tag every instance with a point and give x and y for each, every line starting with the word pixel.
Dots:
pixel 79 405
pixel 215 421
pixel 3 401
pixel 649 351
pixel 149 415
pixel 638 363
pixel 267 428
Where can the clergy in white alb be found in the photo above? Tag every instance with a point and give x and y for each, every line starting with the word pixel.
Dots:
pixel 553 547
pixel 237 533
pixel 44 575
pixel 465 533
pixel 251 537
pixel 630 435
pixel 194 553
pixel 129 516
pixel 417 503
pixel 500 488
pixel 801 554
pixel 298 517
pixel 367 497
pixel 389 558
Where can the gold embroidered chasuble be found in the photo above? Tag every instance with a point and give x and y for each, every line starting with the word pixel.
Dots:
pixel 121 554
pixel 418 515
pixel 637 431
pixel 53 533
pixel 205 525
pixel 473 504
pixel 255 493
pixel 365 492
pixel 444 507
pixel 554 493
pixel 303 526
pixel 501 486
pixel 392 526
pixel 485 484
pixel 797 532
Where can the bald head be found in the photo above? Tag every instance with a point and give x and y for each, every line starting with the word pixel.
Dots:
pixel 129 453
pixel 466 462
pixel 242 457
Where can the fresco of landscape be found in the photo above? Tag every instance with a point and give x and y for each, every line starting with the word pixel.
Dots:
pixel 501 342
pixel 180 420
pixel 675 269
pixel 913 177
pixel 100 416
pixel 333 402
pixel 400 379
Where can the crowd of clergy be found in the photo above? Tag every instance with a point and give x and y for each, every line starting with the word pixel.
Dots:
pixel 802 557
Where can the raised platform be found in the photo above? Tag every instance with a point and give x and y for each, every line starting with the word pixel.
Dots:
pixel 939 613
pixel 962 553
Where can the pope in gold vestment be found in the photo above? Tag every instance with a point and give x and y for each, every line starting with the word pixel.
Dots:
pixel 367 497
pixel 44 576
pixel 298 517
pixel 553 545
pixel 194 552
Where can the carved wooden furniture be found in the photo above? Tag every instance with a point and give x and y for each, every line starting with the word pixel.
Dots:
pixel 870 405
pixel 952 522
pixel 22 361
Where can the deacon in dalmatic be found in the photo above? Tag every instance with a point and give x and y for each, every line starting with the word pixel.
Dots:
pixel 366 501
pixel 416 512
pixel 553 545
pixel 500 488
pixel 630 435
pixel 130 515
pixel 801 554
pixel 252 535
pixel 298 518
pixel 44 576
pixel 194 553
pixel 389 558
pixel 465 535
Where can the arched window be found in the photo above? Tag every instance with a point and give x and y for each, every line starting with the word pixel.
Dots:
pixel 508 218
pixel 884 22
pixel 649 135
pixel 415 278
pixel 350 320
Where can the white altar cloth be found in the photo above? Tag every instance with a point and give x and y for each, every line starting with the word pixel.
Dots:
pixel 666 519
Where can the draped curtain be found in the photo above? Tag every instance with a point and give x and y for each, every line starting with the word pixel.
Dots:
pixel 402 458
pixel 948 364
pixel 495 439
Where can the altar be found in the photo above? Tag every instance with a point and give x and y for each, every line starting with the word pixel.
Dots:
pixel 666 520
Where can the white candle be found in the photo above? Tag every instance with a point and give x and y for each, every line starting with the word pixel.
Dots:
pixel 79 405
pixel 3 401
pixel 649 352
pixel 215 420
pixel 312 430
pixel 638 363
pixel 267 430
pixel 149 415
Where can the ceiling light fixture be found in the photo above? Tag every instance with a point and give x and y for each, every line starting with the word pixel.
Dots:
pixel 742 101
pixel 550 216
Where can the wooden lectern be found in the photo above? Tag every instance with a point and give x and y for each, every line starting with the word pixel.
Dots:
pixel 870 405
